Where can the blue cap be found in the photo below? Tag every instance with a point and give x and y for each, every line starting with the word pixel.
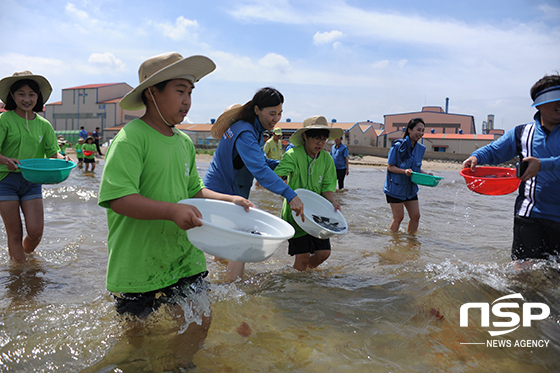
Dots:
pixel 545 96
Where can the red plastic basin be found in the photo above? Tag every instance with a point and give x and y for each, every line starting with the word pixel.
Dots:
pixel 492 181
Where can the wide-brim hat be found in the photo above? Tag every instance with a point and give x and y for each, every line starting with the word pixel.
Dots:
pixel 316 122
pixel 7 82
pixel 81 140
pixel 164 67
pixel 89 137
pixel 230 115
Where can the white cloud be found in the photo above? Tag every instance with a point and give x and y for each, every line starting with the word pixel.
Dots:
pixel 327 37
pixel 38 65
pixel 180 30
pixel 276 62
pixel 382 64
pixel 550 12
pixel 106 61
pixel 75 12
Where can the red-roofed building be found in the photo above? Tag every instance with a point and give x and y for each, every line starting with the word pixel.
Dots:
pixel 91 106
pixel 435 118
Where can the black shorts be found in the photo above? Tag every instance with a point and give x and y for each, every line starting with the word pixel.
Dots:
pixel 143 304
pixel 535 238
pixel 307 244
pixel 89 160
pixel 397 200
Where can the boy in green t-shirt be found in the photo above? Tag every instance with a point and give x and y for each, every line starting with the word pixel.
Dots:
pixel 307 166
pixel 79 152
pixel 149 167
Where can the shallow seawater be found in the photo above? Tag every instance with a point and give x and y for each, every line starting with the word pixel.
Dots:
pixel 382 302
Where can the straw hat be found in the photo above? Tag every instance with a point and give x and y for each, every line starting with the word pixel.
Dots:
pixel 81 140
pixel 164 67
pixel 316 122
pixel 7 82
pixel 230 115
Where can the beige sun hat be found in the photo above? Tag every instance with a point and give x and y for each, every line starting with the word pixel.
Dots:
pixel 164 67
pixel 230 115
pixel 7 82
pixel 316 122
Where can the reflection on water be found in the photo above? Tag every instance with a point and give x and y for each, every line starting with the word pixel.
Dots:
pixel 382 301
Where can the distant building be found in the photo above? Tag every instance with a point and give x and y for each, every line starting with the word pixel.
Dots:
pixel 90 106
pixel 435 118
pixel 363 133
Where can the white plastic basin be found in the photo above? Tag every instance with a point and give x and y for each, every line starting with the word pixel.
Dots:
pixel 321 220
pixel 229 232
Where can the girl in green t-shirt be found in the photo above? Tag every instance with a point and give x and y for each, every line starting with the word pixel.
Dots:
pixel 23 135
pixel 89 150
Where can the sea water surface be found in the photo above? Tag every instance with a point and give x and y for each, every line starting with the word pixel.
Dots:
pixel 382 302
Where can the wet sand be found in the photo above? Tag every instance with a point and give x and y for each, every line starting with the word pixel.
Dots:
pixel 377 162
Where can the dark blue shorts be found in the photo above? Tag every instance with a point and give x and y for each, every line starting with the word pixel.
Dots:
pixel 307 244
pixel 15 188
pixel 535 238
pixel 143 304
pixel 397 200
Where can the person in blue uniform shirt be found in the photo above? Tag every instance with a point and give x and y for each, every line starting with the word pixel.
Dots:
pixel 239 158
pixel 404 157
pixel 537 207
pixel 339 154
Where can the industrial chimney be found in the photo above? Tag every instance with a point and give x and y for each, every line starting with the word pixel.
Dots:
pixel 446 105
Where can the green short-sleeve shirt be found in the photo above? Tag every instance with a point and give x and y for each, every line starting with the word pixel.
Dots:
pixel 317 175
pixel 89 147
pixel 146 255
pixel 23 140
pixel 79 151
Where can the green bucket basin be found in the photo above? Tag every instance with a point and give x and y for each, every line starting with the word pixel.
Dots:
pixel 46 170
pixel 425 179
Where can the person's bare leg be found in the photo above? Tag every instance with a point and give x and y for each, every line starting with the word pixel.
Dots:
pixel 398 216
pixel 319 257
pixel 34 224
pixel 9 210
pixel 235 270
pixel 301 261
pixel 413 208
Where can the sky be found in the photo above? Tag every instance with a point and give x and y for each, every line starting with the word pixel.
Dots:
pixel 349 60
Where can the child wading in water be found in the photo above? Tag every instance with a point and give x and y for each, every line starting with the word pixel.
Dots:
pixel 89 150
pixel 308 166
pixel 79 152
pixel 154 273
pixel 23 135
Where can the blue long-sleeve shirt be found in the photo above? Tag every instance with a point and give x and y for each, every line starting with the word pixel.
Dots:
pixel 238 159
pixel 539 197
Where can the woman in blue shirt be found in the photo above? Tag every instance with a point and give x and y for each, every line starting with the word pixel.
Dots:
pixel 405 156
pixel 240 158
